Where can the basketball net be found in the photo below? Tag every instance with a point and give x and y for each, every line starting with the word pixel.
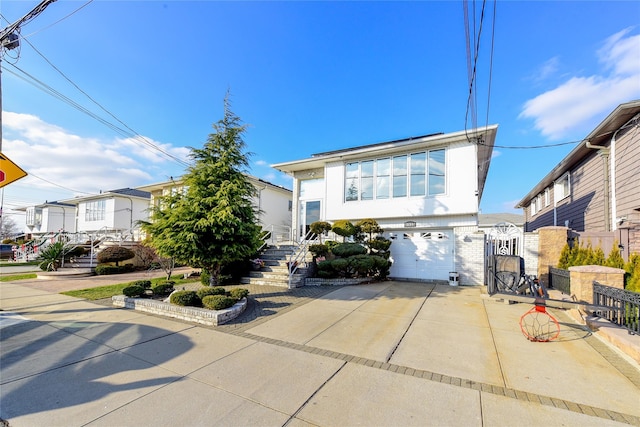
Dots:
pixel 538 325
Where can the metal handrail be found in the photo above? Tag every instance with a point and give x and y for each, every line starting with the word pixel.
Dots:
pixel 300 254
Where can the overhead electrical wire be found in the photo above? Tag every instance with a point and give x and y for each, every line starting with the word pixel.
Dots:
pixel 21 74
pixel 136 136
pixel 133 134
pixel 58 21
pixel 473 44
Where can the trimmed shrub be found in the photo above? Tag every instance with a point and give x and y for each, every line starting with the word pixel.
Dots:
pixel 319 249
pixel 133 291
pixel 238 293
pixel 162 289
pixel 331 244
pixel 325 270
pixel 185 298
pixel 349 249
pixel 146 284
pixel 106 269
pixel 344 228
pixel 115 254
pixel 203 292
pixel 218 302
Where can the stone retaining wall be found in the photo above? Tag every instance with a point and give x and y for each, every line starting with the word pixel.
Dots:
pixel 191 314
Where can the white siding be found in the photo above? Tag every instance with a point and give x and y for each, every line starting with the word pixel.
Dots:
pixel 460 197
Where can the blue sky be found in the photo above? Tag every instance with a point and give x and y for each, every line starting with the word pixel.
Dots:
pixel 306 77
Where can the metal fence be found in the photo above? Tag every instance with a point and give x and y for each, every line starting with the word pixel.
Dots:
pixel 559 279
pixel 625 306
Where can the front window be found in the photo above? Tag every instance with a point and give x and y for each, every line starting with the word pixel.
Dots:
pixel 400 176
pixel 436 172
pixel 562 187
pixel 95 211
pixel 351 182
pixel 533 207
pixel 418 174
pixel 414 175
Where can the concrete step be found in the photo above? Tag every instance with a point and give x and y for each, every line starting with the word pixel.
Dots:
pixel 269 282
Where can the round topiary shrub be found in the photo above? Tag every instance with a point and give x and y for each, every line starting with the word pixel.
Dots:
pixel 185 298
pixel 133 291
pixel 218 302
pixel 146 284
pixel 238 293
pixel 162 289
pixel 203 292
pixel 115 254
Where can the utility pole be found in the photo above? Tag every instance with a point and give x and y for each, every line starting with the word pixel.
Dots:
pixel 10 39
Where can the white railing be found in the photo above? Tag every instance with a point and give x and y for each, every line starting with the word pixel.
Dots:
pixel 300 254
pixel 274 234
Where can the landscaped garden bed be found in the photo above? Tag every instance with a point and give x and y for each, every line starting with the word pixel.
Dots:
pixel 203 316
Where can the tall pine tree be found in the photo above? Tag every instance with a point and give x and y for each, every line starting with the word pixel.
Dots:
pixel 214 222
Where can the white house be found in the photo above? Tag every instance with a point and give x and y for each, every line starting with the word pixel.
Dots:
pixel 423 191
pixel 112 210
pixel 50 217
pixel 272 201
pixel 115 210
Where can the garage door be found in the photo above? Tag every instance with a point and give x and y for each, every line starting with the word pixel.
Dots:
pixel 425 254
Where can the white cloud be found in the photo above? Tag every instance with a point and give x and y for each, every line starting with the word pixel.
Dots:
pixel 261 163
pixel 79 163
pixel 571 106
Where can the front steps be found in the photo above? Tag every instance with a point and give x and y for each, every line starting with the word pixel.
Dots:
pixel 275 271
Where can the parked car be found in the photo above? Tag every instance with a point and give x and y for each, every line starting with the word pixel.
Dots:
pixel 6 252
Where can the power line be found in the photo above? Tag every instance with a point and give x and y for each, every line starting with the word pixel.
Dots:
pixel 144 143
pixel 134 134
pixel 58 21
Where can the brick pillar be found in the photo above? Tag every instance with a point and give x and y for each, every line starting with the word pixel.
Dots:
pixel 583 276
pixel 550 243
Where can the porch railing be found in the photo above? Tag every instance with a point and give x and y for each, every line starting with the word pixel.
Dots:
pixel 625 306
pixel 299 256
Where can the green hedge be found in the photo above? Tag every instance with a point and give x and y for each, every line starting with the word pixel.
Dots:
pixel 133 291
pixel 239 293
pixel 162 289
pixel 218 302
pixel 186 298
pixel 203 292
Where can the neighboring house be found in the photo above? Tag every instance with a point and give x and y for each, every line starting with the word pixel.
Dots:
pixel 423 191
pixel 486 222
pixel 50 217
pixel 115 210
pixel 594 189
pixel 272 201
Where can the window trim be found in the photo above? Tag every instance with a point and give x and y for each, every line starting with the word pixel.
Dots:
pixel 353 179
pixel 558 187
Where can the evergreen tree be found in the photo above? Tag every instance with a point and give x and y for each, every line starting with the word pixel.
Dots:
pixel 565 257
pixel 615 258
pixel 214 223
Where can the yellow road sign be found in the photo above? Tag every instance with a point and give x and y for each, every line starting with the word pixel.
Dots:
pixel 9 171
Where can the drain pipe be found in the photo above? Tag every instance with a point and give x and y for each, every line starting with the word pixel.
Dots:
pixel 604 152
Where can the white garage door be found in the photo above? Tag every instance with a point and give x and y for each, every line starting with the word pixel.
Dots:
pixel 422 254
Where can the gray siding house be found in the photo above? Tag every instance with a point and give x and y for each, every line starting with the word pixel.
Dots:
pixel 594 189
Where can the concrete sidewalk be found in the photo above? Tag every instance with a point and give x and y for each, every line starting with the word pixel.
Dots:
pixel 384 354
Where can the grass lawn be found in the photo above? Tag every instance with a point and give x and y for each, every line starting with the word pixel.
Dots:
pixel 108 291
pixel 18 277
pixel 18 264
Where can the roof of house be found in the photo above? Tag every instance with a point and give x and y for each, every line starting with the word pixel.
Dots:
pixel 46 204
pixel 491 219
pixel 178 181
pixel 484 137
pixel 601 135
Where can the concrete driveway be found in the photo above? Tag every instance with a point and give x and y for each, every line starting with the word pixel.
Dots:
pixel 384 354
